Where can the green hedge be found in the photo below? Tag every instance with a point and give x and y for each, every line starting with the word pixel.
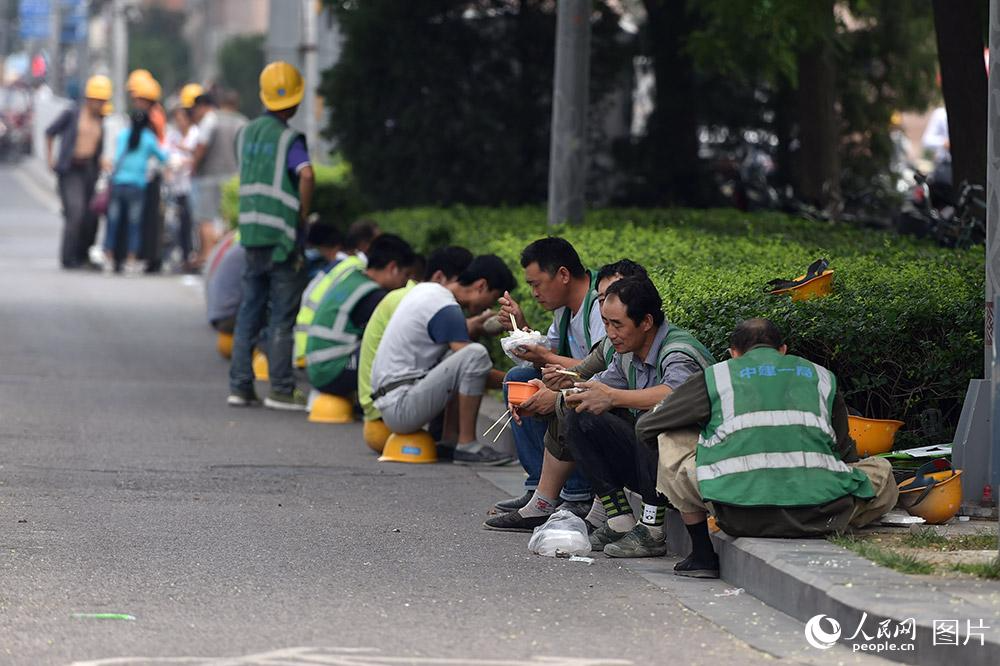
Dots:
pixel 902 330
pixel 337 198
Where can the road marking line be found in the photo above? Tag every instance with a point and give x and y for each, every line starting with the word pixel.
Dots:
pixel 42 196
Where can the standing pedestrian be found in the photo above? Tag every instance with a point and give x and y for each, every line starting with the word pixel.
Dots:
pixel 214 164
pixel 81 133
pixel 145 93
pixel 276 189
pixel 128 188
pixel 182 139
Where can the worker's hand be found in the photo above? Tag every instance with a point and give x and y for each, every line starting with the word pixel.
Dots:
pixel 541 403
pixel 534 354
pixel 508 307
pixel 554 379
pixel 106 165
pixel 596 398
pixel 476 323
pixel 52 163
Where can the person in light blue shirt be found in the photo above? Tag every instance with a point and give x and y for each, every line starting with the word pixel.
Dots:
pixel 134 149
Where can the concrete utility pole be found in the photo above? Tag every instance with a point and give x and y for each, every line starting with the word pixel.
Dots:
pixel 54 71
pixel 310 65
pixel 570 93
pixel 119 54
pixel 992 241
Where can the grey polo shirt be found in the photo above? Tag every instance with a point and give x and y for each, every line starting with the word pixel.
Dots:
pixel 674 370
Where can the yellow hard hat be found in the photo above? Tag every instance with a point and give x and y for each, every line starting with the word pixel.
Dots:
pixel 376 433
pixel 190 93
pixel 934 496
pixel 98 87
pixel 137 75
pixel 281 86
pixel 896 119
pixel 260 366
pixel 327 408
pixel 107 109
pixel 224 344
pixel 412 447
pixel 873 436
pixel 146 89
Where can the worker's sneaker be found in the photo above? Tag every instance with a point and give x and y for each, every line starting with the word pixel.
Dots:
pixel 243 398
pixel 637 543
pixel 514 503
pixel 486 456
pixel 602 536
pixel 694 568
pixel 289 402
pixel 580 509
pixel 513 521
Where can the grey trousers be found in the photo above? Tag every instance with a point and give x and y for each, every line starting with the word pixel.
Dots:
pixel 76 188
pixel 409 408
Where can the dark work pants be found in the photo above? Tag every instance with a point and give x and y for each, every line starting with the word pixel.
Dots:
pixel 185 227
pixel 610 456
pixel 76 188
pixel 152 226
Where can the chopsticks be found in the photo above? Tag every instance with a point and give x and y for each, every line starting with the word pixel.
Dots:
pixel 500 431
pixel 495 423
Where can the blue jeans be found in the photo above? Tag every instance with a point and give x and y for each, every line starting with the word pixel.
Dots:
pixel 529 437
pixel 125 206
pixel 269 290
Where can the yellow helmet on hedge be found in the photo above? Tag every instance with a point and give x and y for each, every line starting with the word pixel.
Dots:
pixel 281 86
pixel 190 93
pixel 98 87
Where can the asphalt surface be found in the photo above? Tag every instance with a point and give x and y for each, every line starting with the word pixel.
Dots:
pixel 128 486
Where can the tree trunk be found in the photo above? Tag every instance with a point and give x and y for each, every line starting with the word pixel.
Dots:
pixel 819 123
pixel 673 125
pixel 959 27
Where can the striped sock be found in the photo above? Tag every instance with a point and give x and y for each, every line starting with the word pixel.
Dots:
pixel 619 512
pixel 653 517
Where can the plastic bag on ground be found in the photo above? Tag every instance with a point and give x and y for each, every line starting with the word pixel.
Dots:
pixel 519 339
pixel 564 534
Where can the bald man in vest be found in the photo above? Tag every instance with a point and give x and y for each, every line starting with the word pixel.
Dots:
pixel 762 442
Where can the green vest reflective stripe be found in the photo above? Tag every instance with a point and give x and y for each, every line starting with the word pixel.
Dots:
pixel 677 340
pixel 333 337
pixel 313 296
pixel 770 439
pixel 608 351
pixel 269 201
pixel 588 303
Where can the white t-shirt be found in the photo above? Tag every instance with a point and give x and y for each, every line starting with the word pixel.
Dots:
pixel 578 348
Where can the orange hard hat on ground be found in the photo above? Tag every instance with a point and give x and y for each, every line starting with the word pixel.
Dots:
pixel 260 369
pixel 935 496
pixel 376 433
pixel 412 447
pixel 327 408
pixel 224 343
pixel 873 436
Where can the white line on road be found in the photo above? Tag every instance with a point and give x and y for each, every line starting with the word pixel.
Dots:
pixel 44 197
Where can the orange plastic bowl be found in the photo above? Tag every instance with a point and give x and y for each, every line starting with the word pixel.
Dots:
pixel 518 392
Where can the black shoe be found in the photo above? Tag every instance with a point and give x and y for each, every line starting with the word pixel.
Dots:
pixel 445 452
pixel 581 508
pixel 693 568
pixel 513 521
pixel 514 503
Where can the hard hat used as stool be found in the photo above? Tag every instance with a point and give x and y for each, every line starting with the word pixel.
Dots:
pixel 935 496
pixel 873 436
pixel 412 447
pixel 224 344
pixel 260 366
pixel 376 433
pixel 328 408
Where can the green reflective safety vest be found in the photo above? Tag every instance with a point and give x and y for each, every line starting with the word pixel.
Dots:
pixel 770 440
pixel 313 296
pixel 333 337
pixel 269 201
pixel 677 340
pixel 567 316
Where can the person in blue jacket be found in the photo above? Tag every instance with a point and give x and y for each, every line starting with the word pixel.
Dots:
pixel 134 149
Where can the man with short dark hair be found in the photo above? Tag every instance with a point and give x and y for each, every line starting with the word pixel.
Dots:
pixel 652 358
pixel 762 440
pixel 333 340
pixel 560 284
pixel 359 236
pixel 414 376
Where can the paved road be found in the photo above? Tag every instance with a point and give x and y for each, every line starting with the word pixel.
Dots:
pixel 128 486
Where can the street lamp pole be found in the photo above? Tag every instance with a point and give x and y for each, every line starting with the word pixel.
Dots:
pixel 992 240
pixel 119 54
pixel 310 65
pixel 570 92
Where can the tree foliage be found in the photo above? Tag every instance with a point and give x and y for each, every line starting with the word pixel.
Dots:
pixel 240 59
pixel 444 101
pixel 156 42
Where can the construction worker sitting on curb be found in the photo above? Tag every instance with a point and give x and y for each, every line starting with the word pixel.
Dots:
pixel 414 377
pixel 652 358
pixel 359 236
pixel 276 188
pixel 334 337
pixel 443 267
pixel 561 285
pixel 762 442
pixel 557 465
